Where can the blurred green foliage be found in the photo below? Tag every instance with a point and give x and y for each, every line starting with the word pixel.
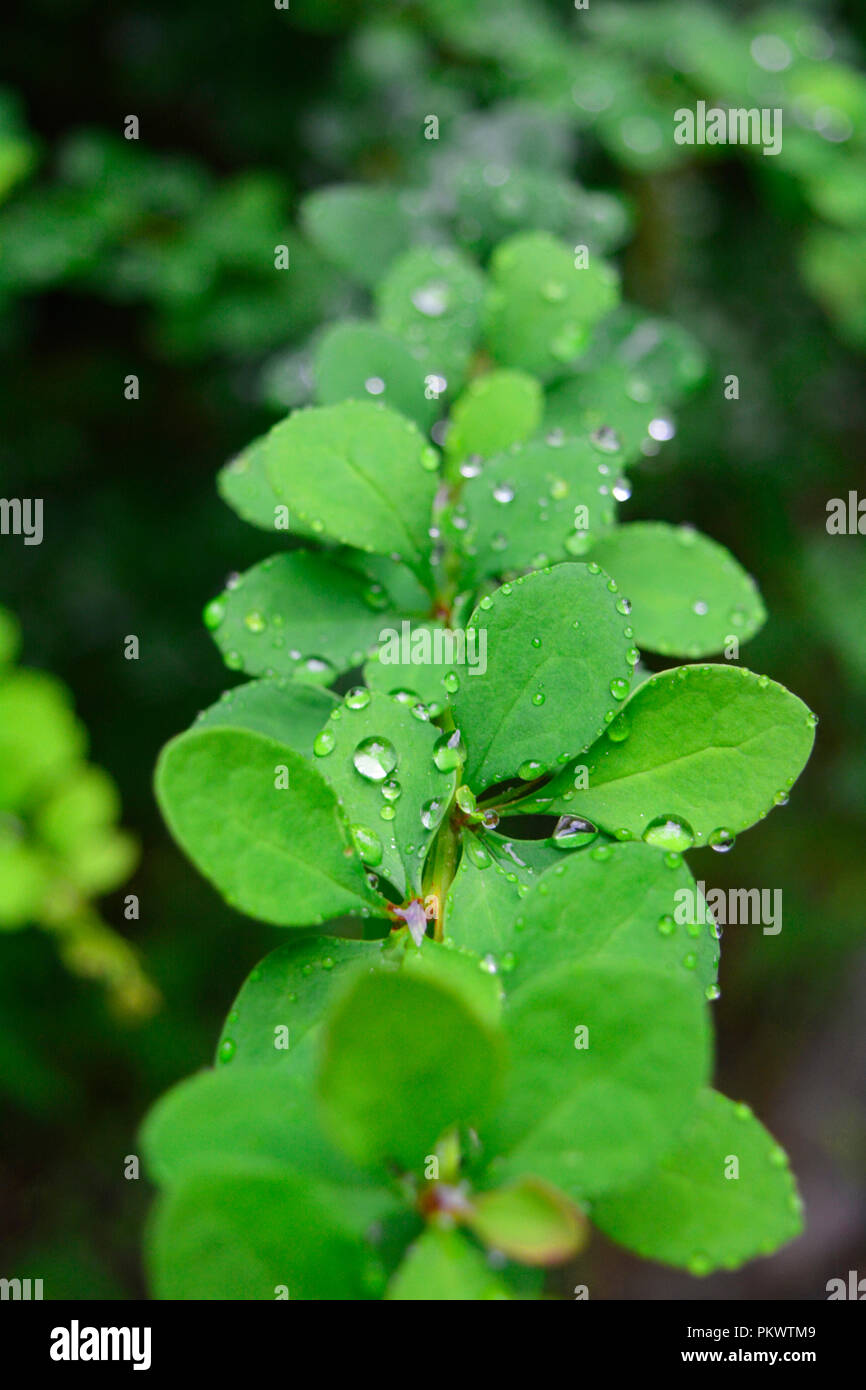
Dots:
pixel 59 844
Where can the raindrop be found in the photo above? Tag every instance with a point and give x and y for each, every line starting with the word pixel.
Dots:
pixel 619 687
pixel 666 925
pixel 721 840
pixel 214 613
pixel 449 751
pixel 606 439
pixel 430 815
pixel 471 467
pixel 391 789
pixel 254 621
pixel 619 729
pixel 503 493
pixel 323 744
pixel 623 606
pixel 622 489
pixel 374 385
pixel 670 833
pixel 700 607
pixel 367 843
pixel 431 300
pixel 572 832
pixel 661 429
pixel 476 853
pixel 227 1049
pixel 529 770
pixel 374 758
pixel 358 698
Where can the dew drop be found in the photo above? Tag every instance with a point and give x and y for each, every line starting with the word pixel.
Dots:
pixel 503 493
pixel 391 789
pixel 358 698
pixel 429 816
pixel 666 925
pixel 367 843
pixel 619 688
pixel 214 613
pixel 476 853
pixel 324 743
pixel 572 832
pixel 431 300
pixel 227 1049
pixel 721 840
pixel 530 769
pixel 449 751
pixel 606 440
pixel 670 833
pixel 374 758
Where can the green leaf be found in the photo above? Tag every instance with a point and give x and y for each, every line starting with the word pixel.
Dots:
pixel 590 1118
pixel 425 680
pixel 712 748
pixel 284 999
pixel 404 1060
pixel 541 307
pixel 243 483
pixel 360 229
pixel 493 876
pixel 554 645
pixel 495 411
pixel 359 474
pixel 698 1209
pixel 40 737
pixel 617 409
pixel 443 1266
pixel 225 1116
pixel 280 708
pixel 248 1231
pixel 431 298
pixel 532 506
pixel 378 758
pixel 537 198
pixel 688 594
pixel 355 361
pixel 620 903
pixel 296 614
pixel 274 852
pixel 662 358
pixel 459 970
pixel 528 1221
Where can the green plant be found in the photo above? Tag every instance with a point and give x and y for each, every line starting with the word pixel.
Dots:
pixel 506 1034
pixel 59 844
